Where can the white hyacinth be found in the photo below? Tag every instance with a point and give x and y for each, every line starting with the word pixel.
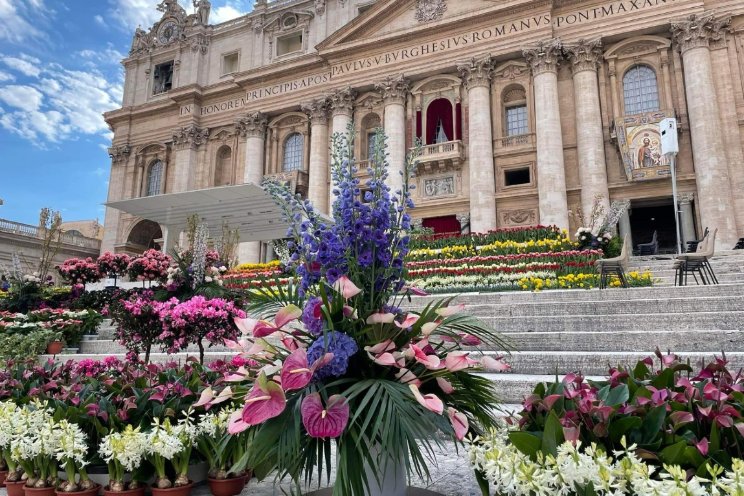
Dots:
pixel 8 414
pixel 164 440
pixel 71 443
pixel 33 429
pixel 127 448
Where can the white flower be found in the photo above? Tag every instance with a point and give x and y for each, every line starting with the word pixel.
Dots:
pixel 128 448
pixel 164 440
pixel 71 443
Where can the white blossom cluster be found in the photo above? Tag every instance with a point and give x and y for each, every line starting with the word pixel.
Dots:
pixel 127 448
pixel 8 413
pixel 71 443
pixel 164 440
pixel 214 424
pixel 33 432
pixel 511 473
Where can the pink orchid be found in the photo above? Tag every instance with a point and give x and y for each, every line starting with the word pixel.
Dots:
pixel 380 318
pixel 445 385
pixel 265 401
pixel 346 288
pixel 429 401
pixel 297 373
pixel 459 423
pixel 458 360
pixel 409 321
pixel 328 422
pixel 496 364
pixel 450 311
pixel 282 318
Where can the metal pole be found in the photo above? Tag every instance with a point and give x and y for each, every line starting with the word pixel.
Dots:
pixel 673 157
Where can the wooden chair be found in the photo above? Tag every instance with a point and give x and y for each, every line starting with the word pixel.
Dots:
pixel 697 264
pixel 607 267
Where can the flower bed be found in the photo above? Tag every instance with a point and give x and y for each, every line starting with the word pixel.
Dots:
pixel 257 276
pixel 26 335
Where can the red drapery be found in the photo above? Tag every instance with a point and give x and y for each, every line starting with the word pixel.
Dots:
pixel 440 109
pixel 441 225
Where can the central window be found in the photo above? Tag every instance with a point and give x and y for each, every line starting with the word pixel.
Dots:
pixel 293 150
pixel 154 178
pixel 640 90
pixel 162 80
pixel 516 120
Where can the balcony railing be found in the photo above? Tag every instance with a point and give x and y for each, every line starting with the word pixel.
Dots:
pixel 8 226
pixel 515 142
pixel 447 153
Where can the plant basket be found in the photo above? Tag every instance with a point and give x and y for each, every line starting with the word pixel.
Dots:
pixel 39 491
pixel 173 491
pixel 3 476
pixel 15 488
pixel 140 491
pixel 54 348
pixel 93 491
pixel 227 487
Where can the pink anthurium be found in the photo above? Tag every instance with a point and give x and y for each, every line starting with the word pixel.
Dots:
pixel 571 434
pixel 282 318
pixel 245 326
pixel 431 362
pixel 297 372
pixel 328 422
pixel 380 318
pixel 414 291
pixel 346 288
pixel 350 312
pixel 450 311
pixel 238 376
pixel 429 327
pixel 409 321
pixel 495 364
pixel 679 418
pixel 407 377
pixel 236 425
pixel 459 423
pixel 265 401
pixel 458 360
pixel 470 340
pixel 702 446
pixel 207 398
pixel 429 401
pixel 445 385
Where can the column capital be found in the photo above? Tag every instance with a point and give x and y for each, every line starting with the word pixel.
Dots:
pixel 686 197
pixel 252 125
pixel 342 101
pixel 477 72
pixel 699 30
pixel 545 56
pixel 584 55
pixel 189 137
pixel 317 110
pixel 119 153
pixel 394 89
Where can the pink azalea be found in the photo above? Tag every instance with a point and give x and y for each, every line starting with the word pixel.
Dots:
pixel 328 422
pixel 346 288
pixel 459 423
pixel 282 318
pixel 265 401
pixel 495 364
pixel 458 360
pixel 429 401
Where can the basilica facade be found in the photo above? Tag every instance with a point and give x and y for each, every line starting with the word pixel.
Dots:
pixel 528 111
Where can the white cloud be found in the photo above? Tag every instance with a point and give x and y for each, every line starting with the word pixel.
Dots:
pixel 22 97
pixel 28 66
pixel 225 13
pixel 100 20
pixel 5 77
pixel 15 24
pixel 108 55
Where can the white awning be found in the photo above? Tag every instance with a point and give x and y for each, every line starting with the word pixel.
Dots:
pixel 245 207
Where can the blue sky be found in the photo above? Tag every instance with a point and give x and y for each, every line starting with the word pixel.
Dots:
pixel 59 71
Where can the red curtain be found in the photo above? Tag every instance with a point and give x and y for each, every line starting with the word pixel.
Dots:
pixel 418 123
pixel 440 109
pixel 442 225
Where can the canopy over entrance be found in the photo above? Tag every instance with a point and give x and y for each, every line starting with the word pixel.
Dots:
pixel 245 207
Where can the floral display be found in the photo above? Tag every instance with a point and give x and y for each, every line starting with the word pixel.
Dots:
pixel 583 281
pixel 72 456
pixel 26 335
pixel 256 276
pixel 138 322
pixel 152 265
pixel 113 264
pixel 79 271
pixel 169 444
pixel 124 451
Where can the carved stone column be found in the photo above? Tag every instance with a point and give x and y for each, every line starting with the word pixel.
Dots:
pixel 477 77
pixel 186 142
pixel 624 226
pixel 394 91
pixel 342 111
pixel 319 163
pixel 119 157
pixel 715 200
pixel 687 217
pixel 551 174
pixel 464 220
pixel 585 57
pixel 252 128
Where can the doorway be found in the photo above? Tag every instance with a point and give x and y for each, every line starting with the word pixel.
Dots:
pixel 443 225
pixel 647 216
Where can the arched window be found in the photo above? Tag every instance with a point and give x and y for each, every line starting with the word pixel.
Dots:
pixel 439 122
pixel 640 90
pixel 515 111
pixel 154 178
pixel 223 167
pixel 293 150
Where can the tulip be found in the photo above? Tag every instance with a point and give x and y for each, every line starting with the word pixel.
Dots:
pixel 324 423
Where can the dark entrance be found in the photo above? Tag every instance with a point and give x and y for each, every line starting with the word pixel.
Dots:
pixel 647 216
pixel 443 225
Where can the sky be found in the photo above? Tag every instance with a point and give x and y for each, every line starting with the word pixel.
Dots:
pixel 59 71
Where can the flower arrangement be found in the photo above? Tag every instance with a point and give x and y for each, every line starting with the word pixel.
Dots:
pixel 79 271
pixel 113 264
pixel 123 453
pixel 583 281
pixel 152 265
pixel 169 444
pixel 345 365
pixel 71 453
pixel 33 445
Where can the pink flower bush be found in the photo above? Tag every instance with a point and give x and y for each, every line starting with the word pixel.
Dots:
pixel 79 271
pixel 150 266
pixel 113 264
pixel 139 324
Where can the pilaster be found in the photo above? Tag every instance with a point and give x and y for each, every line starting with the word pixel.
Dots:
pixel 186 141
pixel 394 90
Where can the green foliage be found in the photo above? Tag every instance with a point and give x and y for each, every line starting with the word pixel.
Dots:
pixel 613 248
pixel 30 345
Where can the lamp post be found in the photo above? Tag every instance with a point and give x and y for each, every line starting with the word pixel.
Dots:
pixel 670 148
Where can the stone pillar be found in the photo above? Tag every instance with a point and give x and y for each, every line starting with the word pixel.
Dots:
pixel 394 91
pixel 585 56
pixel 319 162
pixel 551 174
pixel 252 128
pixel 171 236
pixel 477 77
pixel 342 111
pixel 715 199
pixel 186 142
pixel 624 227
pixel 687 218
pixel 119 158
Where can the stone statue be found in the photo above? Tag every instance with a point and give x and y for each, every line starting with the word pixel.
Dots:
pixel 203 7
pixel 140 40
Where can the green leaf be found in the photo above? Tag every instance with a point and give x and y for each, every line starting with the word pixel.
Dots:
pixel 715 439
pixel 553 435
pixel 621 427
pixel 640 372
pixel 618 395
pixel 483 483
pixel 674 454
pixel 526 442
pixel 652 425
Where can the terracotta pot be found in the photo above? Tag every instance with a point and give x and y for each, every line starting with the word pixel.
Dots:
pixel 227 487
pixel 54 348
pixel 3 475
pixel 173 491
pixel 140 491
pixel 93 491
pixel 15 488
pixel 39 491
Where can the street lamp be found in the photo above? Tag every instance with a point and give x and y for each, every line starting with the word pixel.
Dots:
pixel 670 147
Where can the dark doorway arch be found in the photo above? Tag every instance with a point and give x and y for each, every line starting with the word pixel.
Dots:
pixel 443 225
pixel 144 235
pixel 439 121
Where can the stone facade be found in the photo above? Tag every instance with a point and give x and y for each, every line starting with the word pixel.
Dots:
pixel 527 109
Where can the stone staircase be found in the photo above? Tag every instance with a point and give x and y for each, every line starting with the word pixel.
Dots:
pixel 587 331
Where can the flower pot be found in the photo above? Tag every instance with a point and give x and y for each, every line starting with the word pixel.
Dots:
pixel 227 487
pixel 93 491
pixel 15 488
pixel 54 348
pixel 3 475
pixel 173 491
pixel 393 479
pixel 140 491
pixel 39 491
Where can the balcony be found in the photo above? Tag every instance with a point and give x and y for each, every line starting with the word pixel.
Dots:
pixel 518 143
pixel 439 156
pixel 29 231
pixel 297 181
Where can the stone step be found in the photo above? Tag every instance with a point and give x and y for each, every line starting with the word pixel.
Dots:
pixel 109 346
pixel 728 278
pixel 511 389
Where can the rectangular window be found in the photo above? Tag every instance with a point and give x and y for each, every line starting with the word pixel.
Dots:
pixel 230 63
pixel 162 80
pixel 516 120
pixel 516 177
pixel 289 44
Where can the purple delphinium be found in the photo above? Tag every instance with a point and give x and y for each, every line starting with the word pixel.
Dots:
pixel 312 316
pixel 342 346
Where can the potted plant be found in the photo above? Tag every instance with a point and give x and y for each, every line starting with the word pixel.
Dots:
pixel 34 447
pixel 72 449
pixel 55 342
pixel 169 447
pixel 224 453
pixel 123 453
pixel 8 467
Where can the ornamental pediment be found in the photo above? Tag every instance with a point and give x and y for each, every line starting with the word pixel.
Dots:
pixel 288 20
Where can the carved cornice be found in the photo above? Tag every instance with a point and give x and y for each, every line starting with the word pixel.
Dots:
pixel 686 197
pixel 120 153
pixel 342 101
pixel 394 89
pixel 189 137
pixel 252 125
pixel 198 43
pixel 545 57
pixel 584 55
pixel 317 110
pixel 700 30
pixel 477 72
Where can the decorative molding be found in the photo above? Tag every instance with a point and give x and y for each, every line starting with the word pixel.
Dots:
pixel 545 57
pixel 394 89
pixel 342 101
pixel 584 55
pixel 519 217
pixel 120 153
pixel 317 110
pixel 439 186
pixel 699 30
pixel 430 10
pixel 686 197
pixel 477 72
pixel 252 125
pixel 198 43
pixel 510 72
pixel 463 219
pixel 189 136
pixel 320 7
